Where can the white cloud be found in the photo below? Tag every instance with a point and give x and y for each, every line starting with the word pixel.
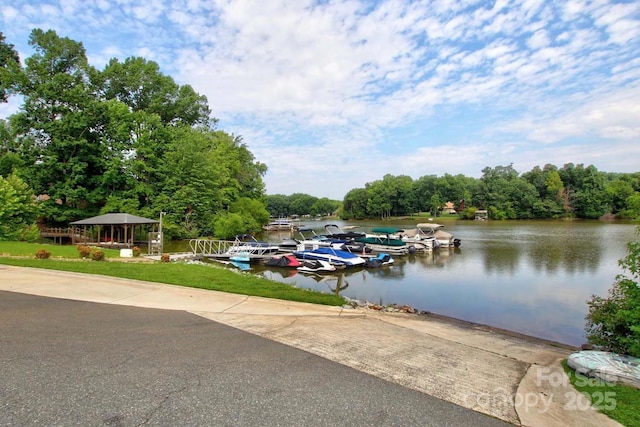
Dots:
pixel 310 84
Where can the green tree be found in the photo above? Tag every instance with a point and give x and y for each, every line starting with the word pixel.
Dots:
pixel 354 205
pixel 378 199
pixel 58 126
pixel 278 205
pixel 301 203
pixel 324 206
pixel 18 209
pixel 614 321
pixel 141 86
pixel 9 62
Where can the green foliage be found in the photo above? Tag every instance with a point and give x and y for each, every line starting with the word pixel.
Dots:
pixel 244 216
pixel 8 59
pixel 229 224
pixel 549 192
pixel 614 321
pixel 124 139
pixel 279 205
pixel 18 210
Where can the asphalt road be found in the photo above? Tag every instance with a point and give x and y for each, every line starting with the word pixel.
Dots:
pixel 68 363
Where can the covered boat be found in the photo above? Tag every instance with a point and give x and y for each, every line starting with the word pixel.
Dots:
pixel 385 240
pixel 283 261
pixel 380 260
pixel 431 229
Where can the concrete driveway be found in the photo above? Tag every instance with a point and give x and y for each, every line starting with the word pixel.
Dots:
pixel 78 363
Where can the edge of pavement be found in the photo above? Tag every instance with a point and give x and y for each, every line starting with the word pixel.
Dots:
pixel 508 376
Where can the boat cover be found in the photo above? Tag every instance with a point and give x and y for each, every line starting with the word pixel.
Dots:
pixel 607 366
pixel 283 261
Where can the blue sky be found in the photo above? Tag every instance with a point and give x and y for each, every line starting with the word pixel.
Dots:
pixel 334 94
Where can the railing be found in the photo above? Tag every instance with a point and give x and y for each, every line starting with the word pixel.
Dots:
pixel 56 231
pixel 210 247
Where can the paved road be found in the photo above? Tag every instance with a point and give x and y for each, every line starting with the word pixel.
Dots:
pixel 78 363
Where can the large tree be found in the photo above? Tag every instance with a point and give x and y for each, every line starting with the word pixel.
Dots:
pixel 59 126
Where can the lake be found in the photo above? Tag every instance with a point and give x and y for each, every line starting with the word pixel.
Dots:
pixel 532 277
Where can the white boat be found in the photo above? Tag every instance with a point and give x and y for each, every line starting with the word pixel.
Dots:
pixel 333 256
pixel 316 266
pixel 247 244
pixel 307 240
pixel 281 224
pixel 422 240
pixel 444 239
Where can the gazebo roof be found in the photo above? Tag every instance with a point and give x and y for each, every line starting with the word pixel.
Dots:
pixel 115 219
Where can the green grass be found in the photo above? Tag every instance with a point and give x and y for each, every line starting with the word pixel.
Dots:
pixel 189 275
pixel 619 402
pixel 57 251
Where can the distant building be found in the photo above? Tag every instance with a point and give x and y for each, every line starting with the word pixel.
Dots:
pixel 482 214
pixel 449 208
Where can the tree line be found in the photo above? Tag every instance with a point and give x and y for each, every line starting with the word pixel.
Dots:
pixel 547 192
pixel 280 205
pixel 126 138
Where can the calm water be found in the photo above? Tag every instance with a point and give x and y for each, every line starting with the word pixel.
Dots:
pixel 530 277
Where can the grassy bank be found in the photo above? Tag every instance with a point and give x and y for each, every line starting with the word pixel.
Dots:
pixel 618 402
pixel 191 275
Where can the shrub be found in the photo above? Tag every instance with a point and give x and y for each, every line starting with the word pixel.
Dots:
pixel 165 258
pixel 136 251
pixel 42 254
pixel 97 255
pixel 84 251
pixel 614 322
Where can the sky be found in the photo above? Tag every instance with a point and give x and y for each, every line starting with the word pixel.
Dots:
pixel 333 94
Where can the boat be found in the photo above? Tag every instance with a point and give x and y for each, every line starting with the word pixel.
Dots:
pixel 385 240
pixel 286 260
pixel 334 256
pixel 246 243
pixel 380 260
pixel 422 240
pixel 316 266
pixel 307 239
pixel 241 257
pixel 333 231
pixel 281 224
pixel 445 240
pixel 345 238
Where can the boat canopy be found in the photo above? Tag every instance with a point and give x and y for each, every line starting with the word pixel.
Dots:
pixel 430 226
pixel 387 230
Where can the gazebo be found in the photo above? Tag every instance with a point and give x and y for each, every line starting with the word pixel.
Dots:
pixel 113 229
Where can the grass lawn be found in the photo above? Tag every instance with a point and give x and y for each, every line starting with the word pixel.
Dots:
pixel 191 275
pixel 57 251
pixel 619 402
